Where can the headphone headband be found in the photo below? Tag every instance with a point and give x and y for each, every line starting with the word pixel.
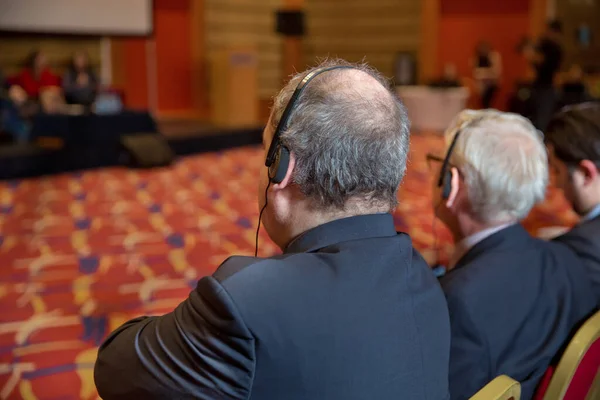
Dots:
pixel 283 122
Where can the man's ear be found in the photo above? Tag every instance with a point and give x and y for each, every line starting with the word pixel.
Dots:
pixel 287 180
pixel 589 171
pixel 454 186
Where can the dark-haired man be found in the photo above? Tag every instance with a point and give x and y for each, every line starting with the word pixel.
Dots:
pixel 573 138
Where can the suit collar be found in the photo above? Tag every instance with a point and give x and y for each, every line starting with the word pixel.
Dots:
pixel 343 230
pixel 469 242
pixel 513 237
pixel 593 214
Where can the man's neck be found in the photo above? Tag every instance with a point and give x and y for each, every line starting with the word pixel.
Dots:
pixel 306 219
pixel 589 200
pixel 469 227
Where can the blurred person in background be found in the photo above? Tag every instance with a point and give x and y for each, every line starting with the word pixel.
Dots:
pixel 573 138
pixel 15 110
pixel 513 299
pixel 36 75
pixel 487 70
pixel 80 83
pixel 546 58
pixel 349 311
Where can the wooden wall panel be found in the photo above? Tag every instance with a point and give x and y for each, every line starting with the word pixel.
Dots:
pixel 374 30
pixel 242 23
pixel 14 49
pixel 574 13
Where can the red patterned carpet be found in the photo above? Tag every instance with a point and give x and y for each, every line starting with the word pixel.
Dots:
pixel 82 253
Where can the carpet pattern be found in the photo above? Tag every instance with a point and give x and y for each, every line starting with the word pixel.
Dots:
pixel 82 253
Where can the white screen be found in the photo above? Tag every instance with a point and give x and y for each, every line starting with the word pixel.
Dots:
pixel 99 17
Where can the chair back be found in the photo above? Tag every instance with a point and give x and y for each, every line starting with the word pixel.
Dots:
pixel 577 375
pixel 501 388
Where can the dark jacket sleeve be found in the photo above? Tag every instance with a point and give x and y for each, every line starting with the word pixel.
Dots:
pixel 201 350
pixel 469 353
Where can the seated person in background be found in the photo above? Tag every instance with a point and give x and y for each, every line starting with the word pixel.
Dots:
pixel 350 310
pixel 80 83
pixel 573 138
pixel 513 299
pixel 35 76
pixel 449 78
pixel 15 110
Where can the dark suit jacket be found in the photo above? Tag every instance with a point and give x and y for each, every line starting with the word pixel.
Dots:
pixel 514 301
pixel 349 311
pixel 584 239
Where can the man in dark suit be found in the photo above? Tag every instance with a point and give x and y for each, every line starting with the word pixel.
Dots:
pixel 573 139
pixel 546 58
pixel 349 310
pixel 513 299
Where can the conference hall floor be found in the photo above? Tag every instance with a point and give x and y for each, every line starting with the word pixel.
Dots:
pixel 82 253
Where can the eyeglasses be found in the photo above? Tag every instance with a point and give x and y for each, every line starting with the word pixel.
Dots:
pixel 434 163
pixel 431 159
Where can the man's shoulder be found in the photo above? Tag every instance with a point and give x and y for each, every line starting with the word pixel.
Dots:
pixel 589 230
pixel 462 281
pixel 238 264
pixel 266 268
pixel 484 271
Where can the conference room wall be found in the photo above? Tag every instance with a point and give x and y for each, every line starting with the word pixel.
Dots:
pixel 15 48
pixel 464 23
pixel 573 14
pixel 233 24
pixel 374 30
pixel 160 72
pixel 169 72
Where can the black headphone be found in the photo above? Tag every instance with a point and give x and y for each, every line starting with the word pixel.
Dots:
pixel 445 179
pixel 278 156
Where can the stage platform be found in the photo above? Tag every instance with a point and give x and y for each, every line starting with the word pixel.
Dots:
pixel 192 137
pixel 185 137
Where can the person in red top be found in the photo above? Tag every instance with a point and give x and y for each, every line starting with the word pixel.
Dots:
pixel 36 75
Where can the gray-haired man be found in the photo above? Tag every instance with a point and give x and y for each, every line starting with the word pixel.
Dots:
pixel 349 311
pixel 513 299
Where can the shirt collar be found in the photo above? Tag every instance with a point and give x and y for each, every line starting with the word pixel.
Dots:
pixel 593 213
pixel 469 242
pixel 343 230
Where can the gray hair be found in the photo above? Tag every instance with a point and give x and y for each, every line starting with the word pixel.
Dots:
pixel 350 137
pixel 503 161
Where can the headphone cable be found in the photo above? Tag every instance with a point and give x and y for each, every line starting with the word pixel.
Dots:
pixel 260 218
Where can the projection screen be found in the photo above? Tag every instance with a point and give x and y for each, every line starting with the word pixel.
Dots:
pixel 86 17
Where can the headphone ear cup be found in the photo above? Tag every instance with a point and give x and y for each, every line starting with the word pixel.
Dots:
pixel 279 169
pixel 447 185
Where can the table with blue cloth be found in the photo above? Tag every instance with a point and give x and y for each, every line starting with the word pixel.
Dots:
pixel 91 140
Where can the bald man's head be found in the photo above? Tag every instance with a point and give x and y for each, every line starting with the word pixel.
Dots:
pixel 349 134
